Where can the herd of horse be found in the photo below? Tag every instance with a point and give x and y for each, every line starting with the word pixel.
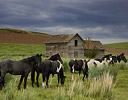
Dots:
pixel 53 65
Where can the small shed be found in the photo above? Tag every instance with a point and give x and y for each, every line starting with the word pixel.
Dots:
pixel 94 45
pixel 67 45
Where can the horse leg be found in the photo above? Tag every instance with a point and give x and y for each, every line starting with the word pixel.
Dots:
pixel 47 79
pixel 2 80
pixel 72 76
pixel 21 79
pixel 51 80
pixel 37 77
pixel 58 79
pixel 33 77
pixel 83 75
pixel 43 78
pixel 25 80
pixel 79 74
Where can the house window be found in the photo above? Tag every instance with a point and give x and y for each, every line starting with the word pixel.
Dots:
pixel 76 42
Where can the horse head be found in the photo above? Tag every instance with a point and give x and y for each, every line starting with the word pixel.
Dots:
pixel 122 57
pixel 62 76
pixel 56 57
pixel 38 59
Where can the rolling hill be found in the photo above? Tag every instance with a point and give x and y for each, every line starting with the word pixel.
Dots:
pixel 117 48
pixel 22 37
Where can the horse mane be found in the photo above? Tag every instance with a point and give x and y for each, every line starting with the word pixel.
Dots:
pixel 53 57
pixel 29 59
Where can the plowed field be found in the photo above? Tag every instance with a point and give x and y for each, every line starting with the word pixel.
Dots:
pixel 116 51
pixel 21 38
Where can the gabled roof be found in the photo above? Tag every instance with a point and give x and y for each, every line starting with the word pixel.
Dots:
pixel 89 44
pixel 63 38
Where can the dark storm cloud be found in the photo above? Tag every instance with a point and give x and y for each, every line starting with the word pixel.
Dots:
pixel 95 18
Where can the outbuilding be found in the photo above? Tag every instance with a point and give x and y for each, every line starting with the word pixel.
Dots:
pixel 67 45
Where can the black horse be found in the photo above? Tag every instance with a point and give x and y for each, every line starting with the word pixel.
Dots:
pixel 52 67
pixel 22 67
pixel 78 65
pixel 117 59
pixel 39 70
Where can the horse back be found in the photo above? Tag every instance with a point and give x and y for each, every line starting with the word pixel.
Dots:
pixel 14 67
pixel 76 63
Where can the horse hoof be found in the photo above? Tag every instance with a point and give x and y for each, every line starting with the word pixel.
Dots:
pixel 18 88
pixel 37 85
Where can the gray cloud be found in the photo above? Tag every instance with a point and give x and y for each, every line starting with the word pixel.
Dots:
pixel 95 18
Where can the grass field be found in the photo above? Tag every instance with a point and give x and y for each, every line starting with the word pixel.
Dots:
pixel 19 51
pixel 94 89
pixel 123 45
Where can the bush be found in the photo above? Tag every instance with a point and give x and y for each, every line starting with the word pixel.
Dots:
pixel 91 54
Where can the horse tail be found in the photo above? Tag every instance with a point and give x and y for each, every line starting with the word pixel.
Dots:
pixel 71 64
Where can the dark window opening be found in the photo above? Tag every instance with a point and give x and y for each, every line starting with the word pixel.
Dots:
pixel 76 42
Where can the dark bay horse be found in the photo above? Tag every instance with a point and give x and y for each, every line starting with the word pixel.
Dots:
pixel 22 67
pixel 117 59
pixel 52 67
pixel 78 65
pixel 54 57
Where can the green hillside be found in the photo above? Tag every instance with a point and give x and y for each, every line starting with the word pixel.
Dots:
pixel 19 31
pixel 122 45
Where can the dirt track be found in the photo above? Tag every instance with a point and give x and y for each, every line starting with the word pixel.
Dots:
pixel 116 51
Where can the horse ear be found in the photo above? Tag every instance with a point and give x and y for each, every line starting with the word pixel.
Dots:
pixel 40 54
pixel 37 55
pixel 122 53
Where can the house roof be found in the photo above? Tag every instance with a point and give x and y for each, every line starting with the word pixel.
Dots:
pixel 63 38
pixel 89 44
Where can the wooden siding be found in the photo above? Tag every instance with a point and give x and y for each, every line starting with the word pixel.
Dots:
pixel 72 49
pixel 60 48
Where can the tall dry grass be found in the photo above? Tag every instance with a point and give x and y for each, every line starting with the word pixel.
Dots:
pixel 102 86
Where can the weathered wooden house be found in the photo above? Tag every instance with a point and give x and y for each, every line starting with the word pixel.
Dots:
pixel 91 45
pixel 67 45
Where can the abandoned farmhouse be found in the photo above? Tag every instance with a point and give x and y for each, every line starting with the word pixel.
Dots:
pixel 71 45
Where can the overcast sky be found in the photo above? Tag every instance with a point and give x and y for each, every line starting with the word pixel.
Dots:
pixel 104 20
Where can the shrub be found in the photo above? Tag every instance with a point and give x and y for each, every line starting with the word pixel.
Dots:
pixel 91 54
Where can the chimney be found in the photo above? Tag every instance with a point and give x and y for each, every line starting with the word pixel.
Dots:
pixel 88 38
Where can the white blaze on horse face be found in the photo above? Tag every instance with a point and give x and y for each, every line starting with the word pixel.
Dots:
pixel 58 69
